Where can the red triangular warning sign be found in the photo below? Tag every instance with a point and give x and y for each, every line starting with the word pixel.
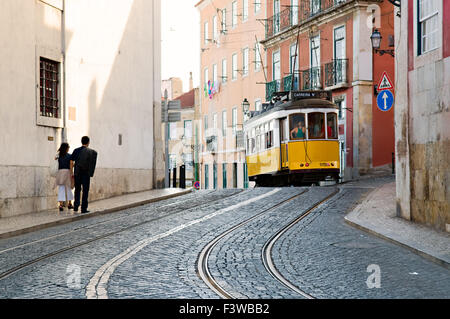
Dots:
pixel 385 83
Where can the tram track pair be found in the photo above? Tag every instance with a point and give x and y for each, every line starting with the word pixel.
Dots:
pixel 266 253
pixel 109 220
pixel 17 268
pixel 91 225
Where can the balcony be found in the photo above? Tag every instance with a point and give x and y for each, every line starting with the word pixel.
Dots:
pixel 336 72
pixel 329 76
pixel 278 23
pixel 312 79
pixel 271 88
pixel 287 82
pixel 306 10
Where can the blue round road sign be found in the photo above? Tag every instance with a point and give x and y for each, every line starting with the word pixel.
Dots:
pixel 197 185
pixel 385 100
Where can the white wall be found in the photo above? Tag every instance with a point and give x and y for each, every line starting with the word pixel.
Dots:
pixel 113 79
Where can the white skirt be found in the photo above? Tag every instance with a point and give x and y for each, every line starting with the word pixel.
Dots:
pixel 62 193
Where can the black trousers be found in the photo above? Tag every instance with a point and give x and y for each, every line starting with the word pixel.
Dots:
pixel 82 180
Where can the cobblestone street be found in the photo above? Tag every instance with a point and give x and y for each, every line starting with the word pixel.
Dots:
pixel 153 251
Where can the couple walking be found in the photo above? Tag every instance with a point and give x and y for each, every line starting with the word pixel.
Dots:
pixel 75 170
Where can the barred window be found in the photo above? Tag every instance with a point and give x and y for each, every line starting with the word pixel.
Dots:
pixel 49 88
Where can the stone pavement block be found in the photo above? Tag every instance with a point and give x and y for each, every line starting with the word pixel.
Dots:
pixel 18 225
pixel 377 215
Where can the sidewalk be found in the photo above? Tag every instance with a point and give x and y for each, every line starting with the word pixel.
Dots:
pixel 18 225
pixel 377 215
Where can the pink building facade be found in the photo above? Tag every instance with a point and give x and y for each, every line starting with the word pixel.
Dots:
pixel 232 70
pixel 326 45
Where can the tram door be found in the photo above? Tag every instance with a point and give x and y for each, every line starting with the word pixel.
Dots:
pixel 284 138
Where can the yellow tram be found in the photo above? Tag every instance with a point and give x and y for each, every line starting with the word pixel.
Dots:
pixel 293 140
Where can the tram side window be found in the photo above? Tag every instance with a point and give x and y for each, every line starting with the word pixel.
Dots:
pixel 261 137
pixel 258 140
pixel 332 126
pixel 252 142
pixel 247 146
pixel 269 135
pixel 316 128
pixel 297 127
pixel 269 139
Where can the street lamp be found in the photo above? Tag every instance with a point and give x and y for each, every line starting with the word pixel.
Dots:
pixel 246 109
pixel 245 105
pixel 376 39
pixel 376 43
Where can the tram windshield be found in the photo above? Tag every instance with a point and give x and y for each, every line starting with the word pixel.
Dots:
pixel 297 127
pixel 316 128
pixel 332 126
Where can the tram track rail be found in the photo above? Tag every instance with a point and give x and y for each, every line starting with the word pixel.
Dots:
pixel 24 265
pixel 93 225
pixel 202 261
pixel 266 253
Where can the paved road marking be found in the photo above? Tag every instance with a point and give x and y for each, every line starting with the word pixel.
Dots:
pixel 96 288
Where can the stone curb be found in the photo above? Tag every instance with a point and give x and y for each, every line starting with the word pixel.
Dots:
pixel 354 223
pixel 68 220
pixel 397 242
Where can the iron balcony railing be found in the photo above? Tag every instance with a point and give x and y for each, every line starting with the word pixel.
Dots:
pixel 297 15
pixel 312 79
pixel 287 82
pixel 271 88
pixel 336 72
pixel 279 22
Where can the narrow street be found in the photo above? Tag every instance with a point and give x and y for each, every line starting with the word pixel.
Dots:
pixel 257 243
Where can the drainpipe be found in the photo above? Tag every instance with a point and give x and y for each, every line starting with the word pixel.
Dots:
pixel 63 51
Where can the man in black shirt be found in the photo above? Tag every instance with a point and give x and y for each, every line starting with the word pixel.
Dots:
pixel 82 166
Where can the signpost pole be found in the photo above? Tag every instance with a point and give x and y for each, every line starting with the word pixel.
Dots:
pixel 166 121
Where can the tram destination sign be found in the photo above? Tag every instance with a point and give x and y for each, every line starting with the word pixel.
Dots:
pixel 300 95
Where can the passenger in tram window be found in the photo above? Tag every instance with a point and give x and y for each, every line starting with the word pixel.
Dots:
pixel 299 132
pixel 316 125
pixel 330 129
pixel 319 130
pixel 332 126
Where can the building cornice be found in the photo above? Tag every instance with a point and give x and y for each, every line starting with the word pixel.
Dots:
pixel 202 4
pixel 322 18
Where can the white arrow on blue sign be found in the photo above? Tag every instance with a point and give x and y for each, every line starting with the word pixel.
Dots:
pixel 385 100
